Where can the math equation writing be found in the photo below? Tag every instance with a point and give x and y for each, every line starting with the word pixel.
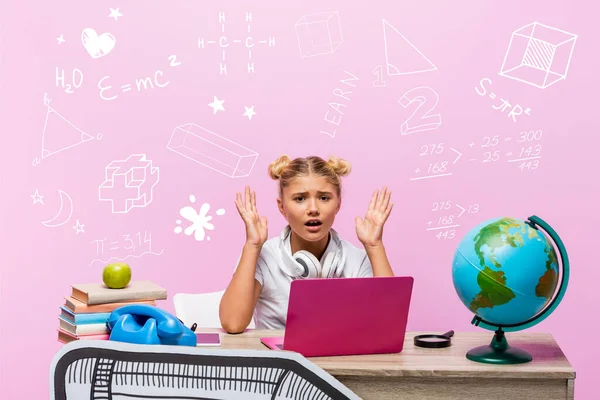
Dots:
pixel 522 149
pixel 146 81
pixel 73 80
pixel 526 153
pixel 446 218
pixel 121 247
pixel 502 104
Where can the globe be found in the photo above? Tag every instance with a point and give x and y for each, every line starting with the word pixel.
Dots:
pixel 507 272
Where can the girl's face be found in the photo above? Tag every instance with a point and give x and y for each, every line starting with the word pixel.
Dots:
pixel 310 205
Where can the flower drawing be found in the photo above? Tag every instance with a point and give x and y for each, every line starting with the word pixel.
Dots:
pixel 200 221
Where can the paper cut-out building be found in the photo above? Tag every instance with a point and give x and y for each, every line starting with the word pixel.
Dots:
pixel 104 369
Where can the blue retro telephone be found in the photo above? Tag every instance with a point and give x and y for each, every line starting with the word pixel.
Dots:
pixel 146 324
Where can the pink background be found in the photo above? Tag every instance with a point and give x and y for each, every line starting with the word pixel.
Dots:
pixel 466 41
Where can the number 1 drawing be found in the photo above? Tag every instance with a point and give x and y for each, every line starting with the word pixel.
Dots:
pixel 423 121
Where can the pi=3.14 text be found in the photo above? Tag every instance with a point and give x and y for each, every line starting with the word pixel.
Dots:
pixel 132 245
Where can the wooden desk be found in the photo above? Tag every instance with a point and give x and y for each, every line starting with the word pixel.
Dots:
pixel 428 374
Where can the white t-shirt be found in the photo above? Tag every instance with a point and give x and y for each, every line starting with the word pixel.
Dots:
pixel 273 271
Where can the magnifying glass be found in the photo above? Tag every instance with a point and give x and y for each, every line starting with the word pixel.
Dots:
pixel 432 341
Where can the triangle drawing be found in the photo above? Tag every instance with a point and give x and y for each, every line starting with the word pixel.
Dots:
pixel 401 56
pixel 60 134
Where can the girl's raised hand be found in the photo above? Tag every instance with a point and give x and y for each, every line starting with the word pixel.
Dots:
pixel 256 226
pixel 370 229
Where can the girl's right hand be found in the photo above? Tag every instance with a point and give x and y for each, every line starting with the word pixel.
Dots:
pixel 256 226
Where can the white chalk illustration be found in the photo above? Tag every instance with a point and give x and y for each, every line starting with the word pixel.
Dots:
pixel 338 104
pixel 248 42
pixel 61 39
pixel 211 150
pixel 59 134
pixel 249 112
pixel 37 198
pixel 129 183
pixel 217 105
pixel 64 212
pixel 319 33
pixel 78 227
pixel 173 62
pixel 401 56
pixel 457 157
pixel 136 244
pixel 97 45
pixel 199 220
pixel 538 55
pixel 115 13
pixel 427 99
pixel 378 72
pixel 149 82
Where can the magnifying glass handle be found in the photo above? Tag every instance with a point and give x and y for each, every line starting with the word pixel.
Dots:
pixel 448 334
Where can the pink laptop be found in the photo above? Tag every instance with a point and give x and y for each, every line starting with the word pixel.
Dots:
pixel 346 316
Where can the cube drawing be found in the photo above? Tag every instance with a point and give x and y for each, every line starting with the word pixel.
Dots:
pixel 129 183
pixel 211 150
pixel 319 33
pixel 538 55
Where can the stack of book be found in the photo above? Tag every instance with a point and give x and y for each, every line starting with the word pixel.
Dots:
pixel 86 311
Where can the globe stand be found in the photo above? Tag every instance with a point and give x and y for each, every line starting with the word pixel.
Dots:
pixel 499 352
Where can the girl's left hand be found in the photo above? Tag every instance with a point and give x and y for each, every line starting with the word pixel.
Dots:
pixel 370 229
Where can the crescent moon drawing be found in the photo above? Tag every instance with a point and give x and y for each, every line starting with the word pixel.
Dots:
pixel 64 213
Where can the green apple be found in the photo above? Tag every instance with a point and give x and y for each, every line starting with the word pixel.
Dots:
pixel 116 275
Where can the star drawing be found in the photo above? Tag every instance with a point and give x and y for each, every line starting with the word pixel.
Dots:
pixel 249 112
pixel 217 105
pixel 37 198
pixel 78 227
pixel 115 13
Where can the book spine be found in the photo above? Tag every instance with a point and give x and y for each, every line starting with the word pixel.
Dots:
pixel 102 298
pixel 106 307
pixel 85 329
pixel 91 318
pixel 91 329
pixel 65 337
pixel 84 318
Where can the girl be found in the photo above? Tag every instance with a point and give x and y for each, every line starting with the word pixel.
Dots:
pixel 309 199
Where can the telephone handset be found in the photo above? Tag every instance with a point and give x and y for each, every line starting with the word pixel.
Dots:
pixel 146 324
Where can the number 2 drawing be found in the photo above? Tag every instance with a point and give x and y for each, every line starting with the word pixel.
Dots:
pixel 423 121
pixel 174 62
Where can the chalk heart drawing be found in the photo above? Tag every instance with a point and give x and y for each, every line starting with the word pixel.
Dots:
pixel 97 45
pixel 199 220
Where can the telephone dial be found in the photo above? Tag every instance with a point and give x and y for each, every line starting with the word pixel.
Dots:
pixel 146 324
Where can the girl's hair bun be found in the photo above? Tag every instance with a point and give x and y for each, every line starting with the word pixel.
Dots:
pixel 277 167
pixel 340 166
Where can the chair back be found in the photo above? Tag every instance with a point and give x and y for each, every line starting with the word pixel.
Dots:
pixel 200 308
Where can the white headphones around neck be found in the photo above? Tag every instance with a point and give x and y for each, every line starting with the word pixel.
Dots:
pixel 310 267
pixel 303 264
